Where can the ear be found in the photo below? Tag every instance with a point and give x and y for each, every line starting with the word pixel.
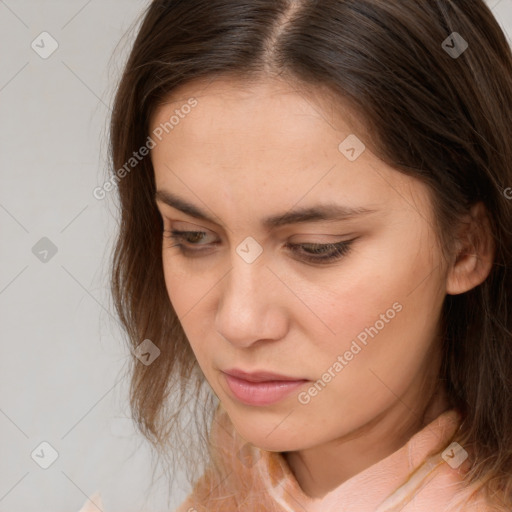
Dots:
pixel 474 256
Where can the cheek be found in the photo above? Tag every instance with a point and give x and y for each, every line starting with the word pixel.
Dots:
pixel 184 287
pixel 187 293
pixel 385 319
pixel 358 297
pixel 183 294
pixel 389 271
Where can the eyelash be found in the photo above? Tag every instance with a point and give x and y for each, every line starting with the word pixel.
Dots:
pixel 339 249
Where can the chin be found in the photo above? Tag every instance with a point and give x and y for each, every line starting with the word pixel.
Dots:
pixel 262 432
pixel 277 443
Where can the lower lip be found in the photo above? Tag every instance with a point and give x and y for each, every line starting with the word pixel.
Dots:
pixel 261 393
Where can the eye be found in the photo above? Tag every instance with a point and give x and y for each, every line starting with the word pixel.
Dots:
pixel 310 252
pixel 321 253
pixel 189 237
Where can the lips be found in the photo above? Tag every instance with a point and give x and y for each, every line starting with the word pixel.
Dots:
pixel 260 376
pixel 260 388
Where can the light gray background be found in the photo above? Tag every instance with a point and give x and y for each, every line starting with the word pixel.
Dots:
pixel 63 364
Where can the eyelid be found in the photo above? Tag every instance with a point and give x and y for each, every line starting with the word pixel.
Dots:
pixel 310 240
pixel 278 232
pixel 182 225
pixel 336 251
pixel 305 239
pixel 167 212
pixel 323 238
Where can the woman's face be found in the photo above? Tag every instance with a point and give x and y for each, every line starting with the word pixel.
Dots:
pixel 354 335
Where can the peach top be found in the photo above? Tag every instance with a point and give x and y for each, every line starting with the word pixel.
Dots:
pixel 424 475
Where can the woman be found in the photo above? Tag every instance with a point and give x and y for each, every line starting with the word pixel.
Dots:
pixel 315 250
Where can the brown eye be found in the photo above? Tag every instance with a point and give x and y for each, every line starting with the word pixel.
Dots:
pixel 184 239
pixel 312 252
pixel 321 253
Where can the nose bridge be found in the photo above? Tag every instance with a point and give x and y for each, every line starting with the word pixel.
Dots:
pixel 243 288
pixel 246 311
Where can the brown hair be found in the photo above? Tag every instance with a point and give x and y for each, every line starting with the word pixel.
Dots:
pixel 442 118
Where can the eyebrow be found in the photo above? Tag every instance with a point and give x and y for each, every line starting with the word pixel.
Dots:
pixel 322 212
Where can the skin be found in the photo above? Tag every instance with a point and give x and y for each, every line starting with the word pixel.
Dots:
pixel 247 151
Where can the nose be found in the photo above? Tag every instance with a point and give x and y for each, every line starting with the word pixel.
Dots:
pixel 250 304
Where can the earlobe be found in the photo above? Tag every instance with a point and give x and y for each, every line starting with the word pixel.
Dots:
pixel 475 255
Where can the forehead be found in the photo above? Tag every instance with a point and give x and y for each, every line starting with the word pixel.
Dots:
pixel 238 97
pixel 241 126
pixel 266 143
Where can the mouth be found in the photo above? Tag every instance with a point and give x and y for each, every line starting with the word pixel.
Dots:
pixel 260 388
